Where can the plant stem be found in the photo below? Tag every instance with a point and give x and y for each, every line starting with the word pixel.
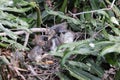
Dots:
pixel 39 19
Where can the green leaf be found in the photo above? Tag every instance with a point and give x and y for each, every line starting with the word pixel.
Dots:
pixel 86 48
pixel 74 72
pixel 8 32
pixel 13 21
pixel 74 44
pixel 4 60
pixel 117 75
pixel 114 20
pixel 4 3
pixel 64 6
pixel 89 66
pixel 22 10
pixel 82 47
pixel 3 44
pixel 110 49
pixel 62 76
pixel 80 74
pixel 103 13
pixel 8 5
pixel 116 30
pixel 114 38
pixel 94 4
pixel 63 16
pixel 14 44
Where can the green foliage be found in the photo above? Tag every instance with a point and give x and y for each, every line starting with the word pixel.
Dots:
pixel 14 17
pixel 100 45
pixel 104 48
pixel 14 44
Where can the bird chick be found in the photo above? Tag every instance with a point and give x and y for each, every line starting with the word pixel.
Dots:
pixel 36 53
pixel 40 40
pixel 67 37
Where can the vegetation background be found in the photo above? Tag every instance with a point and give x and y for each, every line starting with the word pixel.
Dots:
pixel 95 55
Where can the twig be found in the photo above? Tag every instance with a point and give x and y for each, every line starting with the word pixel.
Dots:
pixel 42 74
pixel 33 72
pixel 91 11
pixel 98 32
pixel 20 69
pixel 94 10
pixel 26 39
pixel 19 74
pixel 27 33
pixel 112 4
pixel 16 70
pixel 32 30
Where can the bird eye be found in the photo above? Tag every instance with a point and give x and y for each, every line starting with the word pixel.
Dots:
pixel 63 32
pixel 45 38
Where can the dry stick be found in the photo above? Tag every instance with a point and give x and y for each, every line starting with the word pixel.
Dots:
pixel 94 10
pixel 27 34
pixel 42 74
pixel 16 70
pixel 33 72
pixel 19 74
pixel 26 39
pixel 94 35
pixel 23 32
